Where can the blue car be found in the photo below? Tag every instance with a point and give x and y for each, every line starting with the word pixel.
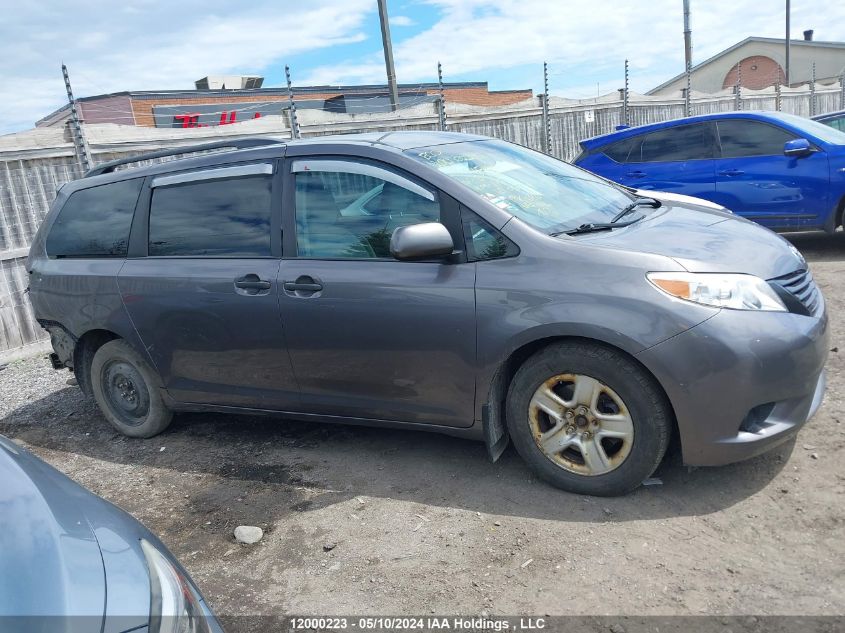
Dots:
pixel 781 170
pixel 833 119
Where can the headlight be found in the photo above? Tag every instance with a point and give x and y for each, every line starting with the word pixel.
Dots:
pixel 174 604
pixel 740 292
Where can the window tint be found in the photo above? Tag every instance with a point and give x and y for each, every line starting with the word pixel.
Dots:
pixel 350 210
pixel 682 142
pixel 213 218
pixel 751 138
pixel 836 124
pixel 619 151
pixel 483 241
pixel 95 222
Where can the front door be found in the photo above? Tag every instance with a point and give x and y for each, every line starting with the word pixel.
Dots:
pixel 203 298
pixel 755 180
pixel 371 337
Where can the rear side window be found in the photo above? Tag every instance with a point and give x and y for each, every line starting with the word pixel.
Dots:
pixel 95 222
pixel 212 218
pixel 619 151
pixel 679 143
pixel 740 137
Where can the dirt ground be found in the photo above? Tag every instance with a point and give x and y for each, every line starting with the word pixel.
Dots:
pixel 368 521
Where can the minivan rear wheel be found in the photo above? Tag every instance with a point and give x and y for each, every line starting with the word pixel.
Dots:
pixel 124 387
pixel 588 419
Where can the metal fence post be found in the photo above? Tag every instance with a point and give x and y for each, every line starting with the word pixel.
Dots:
pixel 688 90
pixel 77 133
pixel 813 91
pixel 842 90
pixel 294 121
pixel 547 122
pixel 738 87
pixel 778 103
pixel 441 110
pixel 625 117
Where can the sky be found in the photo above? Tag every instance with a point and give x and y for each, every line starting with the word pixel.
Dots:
pixel 155 45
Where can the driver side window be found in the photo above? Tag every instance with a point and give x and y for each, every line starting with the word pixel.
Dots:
pixel 349 209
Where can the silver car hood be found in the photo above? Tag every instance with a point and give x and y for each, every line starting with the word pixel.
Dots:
pixel 50 563
pixel 704 240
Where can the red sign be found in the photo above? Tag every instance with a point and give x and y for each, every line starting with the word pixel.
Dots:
pixel 192 120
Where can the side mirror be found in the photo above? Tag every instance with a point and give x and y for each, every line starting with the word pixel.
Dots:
pixel 421 241
pixel 796 148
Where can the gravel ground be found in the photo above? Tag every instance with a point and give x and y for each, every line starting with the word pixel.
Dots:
pixel 366 521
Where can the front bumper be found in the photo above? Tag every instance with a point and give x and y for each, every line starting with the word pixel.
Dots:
pixel 742 382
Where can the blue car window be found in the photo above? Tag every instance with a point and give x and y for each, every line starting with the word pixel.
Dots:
pixel 620 150
pixel 678 143
pixel 743 137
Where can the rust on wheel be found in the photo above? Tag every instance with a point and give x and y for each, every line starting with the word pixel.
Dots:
pixel 581 424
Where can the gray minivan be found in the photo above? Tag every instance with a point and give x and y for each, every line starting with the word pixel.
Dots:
pixel 433 281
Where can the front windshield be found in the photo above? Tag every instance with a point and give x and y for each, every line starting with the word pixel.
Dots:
pixel 814 128
pixel 544 192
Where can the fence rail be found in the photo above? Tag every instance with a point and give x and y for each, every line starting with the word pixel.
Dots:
pixel 33 165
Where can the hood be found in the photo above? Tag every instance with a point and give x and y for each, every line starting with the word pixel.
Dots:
pixel 50 563
pixel 668 197
pixel 704 240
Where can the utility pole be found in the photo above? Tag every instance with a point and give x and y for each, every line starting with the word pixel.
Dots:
pixel 388 55
pixel 786 70
pixel 687 37
pixel 78 135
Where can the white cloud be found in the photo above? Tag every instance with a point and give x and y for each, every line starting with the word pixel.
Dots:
pixel 147 44
pixel 152 45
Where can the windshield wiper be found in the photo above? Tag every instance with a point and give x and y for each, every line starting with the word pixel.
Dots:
pixel 640 201
pixel 592 227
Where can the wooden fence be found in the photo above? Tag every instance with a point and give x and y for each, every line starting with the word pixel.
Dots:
pixel 34 164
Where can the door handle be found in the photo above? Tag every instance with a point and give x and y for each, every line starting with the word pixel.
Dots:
pixel 252 283
pixel 731 172
pixel 636 174
pixel 306 287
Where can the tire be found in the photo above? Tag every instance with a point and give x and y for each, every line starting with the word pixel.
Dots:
pixel 124 387
pixel 607 448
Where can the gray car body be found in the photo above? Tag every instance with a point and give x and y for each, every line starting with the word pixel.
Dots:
pixel 433 345
pixel 69 560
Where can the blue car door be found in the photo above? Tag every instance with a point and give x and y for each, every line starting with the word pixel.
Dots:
pixel 756 180
pixel 678 159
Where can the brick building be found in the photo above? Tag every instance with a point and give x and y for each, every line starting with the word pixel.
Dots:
pixel 224 100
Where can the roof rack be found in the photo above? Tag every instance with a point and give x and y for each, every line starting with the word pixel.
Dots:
pixel 240 143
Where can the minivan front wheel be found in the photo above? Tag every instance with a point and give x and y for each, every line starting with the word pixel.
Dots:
pixel 588 419
pixel 124 388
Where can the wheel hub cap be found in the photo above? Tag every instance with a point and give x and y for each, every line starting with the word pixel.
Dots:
pixel 581 424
